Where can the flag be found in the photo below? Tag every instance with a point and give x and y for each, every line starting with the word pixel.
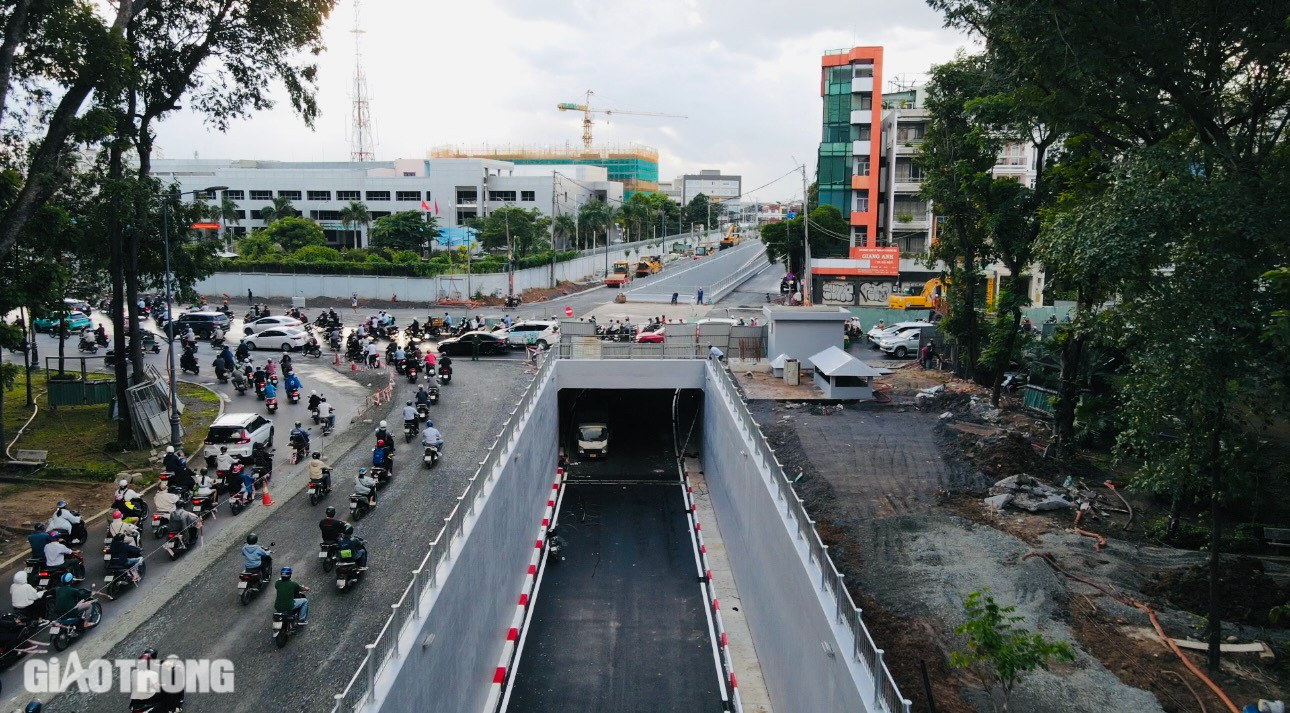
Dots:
pixel 425 206
pixel 436 206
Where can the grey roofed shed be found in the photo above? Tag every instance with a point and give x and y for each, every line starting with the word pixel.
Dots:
pixel 841 376
pixel 799 332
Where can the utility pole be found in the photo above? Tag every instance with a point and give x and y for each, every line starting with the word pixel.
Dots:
pixel 553 175
pixel 806 239
pixel 510 257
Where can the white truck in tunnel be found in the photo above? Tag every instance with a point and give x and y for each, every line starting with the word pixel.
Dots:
pixel 593 435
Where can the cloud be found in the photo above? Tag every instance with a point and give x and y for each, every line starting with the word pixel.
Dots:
pixel 746 74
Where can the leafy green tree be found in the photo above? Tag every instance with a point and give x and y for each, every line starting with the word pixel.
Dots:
pixel 353 215
pixel 294 233
pixel 258 246
pixel 281 208
pixel 227 214
pixel 785 240
pixel 316 253
pixel 521 230
pixel 566 227
pixel 594 218
pixel 702 211
pixel 406 230
pixel 997 649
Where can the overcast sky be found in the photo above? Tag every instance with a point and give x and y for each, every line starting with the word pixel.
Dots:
pixel 744 72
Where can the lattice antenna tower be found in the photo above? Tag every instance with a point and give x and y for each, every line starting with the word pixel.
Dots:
pixel 361 142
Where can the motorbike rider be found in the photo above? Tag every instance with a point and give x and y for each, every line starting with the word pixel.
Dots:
pixel 100 335
pixel 299 437
pixel 38 539
pixel 260 376
pixel 409 415
pixel 25 599
pixel 217 335
pixel 157 689
pixel 228 357
pixel 126 499
pixel 381 457
pixel 239 379
pixel 319 470
pixel 63 519
pixel 429 360
pixel 400 359
pixel 270 368
pixel 125 556
pixel 184 478
pixel 383 434
pixel 243 351
pixel 285 362
pixel 330 526
pixel 415 327
pixel 255 558
pixel 118 526
pixel 365 486
pixel 423 396
pixel 188 361
pixel 70 600
pixel 292 381
pixel 270 391
pixel 171 462
pixel 371 354
pixel 288 597
pixel 247 476
pixel 165 502
pixel 314 399
pixel 56 552
pixel 431 436
pixel 221 366
pixel 223 461
pixel 180 522
pixel 445 363
pixel 330 417
pixel 354 545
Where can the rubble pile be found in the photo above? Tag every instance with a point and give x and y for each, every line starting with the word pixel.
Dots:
pixel 1028 493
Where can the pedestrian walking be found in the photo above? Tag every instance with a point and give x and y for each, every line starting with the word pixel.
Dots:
pixel 699 299
pixel 922 354
pixel 474 347
pixel 353 301
pixel 675 295
pixel 250 298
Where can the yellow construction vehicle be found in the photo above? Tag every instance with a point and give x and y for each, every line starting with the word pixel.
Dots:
pixel 932 295
pixel 619 276
pixel 730 239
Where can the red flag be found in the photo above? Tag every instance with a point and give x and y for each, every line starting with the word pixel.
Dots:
pixel 436 206
pixel 425 206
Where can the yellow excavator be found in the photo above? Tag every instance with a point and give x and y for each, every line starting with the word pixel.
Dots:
pixel 730 239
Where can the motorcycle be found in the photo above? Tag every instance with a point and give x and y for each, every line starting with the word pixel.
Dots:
pixel 221 375
pixel 412 373
pixel 433 393
pixel 177 543
pixel 284 624
pixel 445 374
pixel 328 425
pixel 431 456
pixel 118 578
pixel 188 363
pixel 409 431
pixel 293 396
pixel 251 581
pixel 316 414
pixel 259 389
pixel 312 349
pixel 70 628
pixel 239 382
pixel 299 451
pixel 316 490
pixel 78 535
pixel 239 501
pixel 132 512
pixel 87 345
pixel 160 522
pixel 45 575
pixel 204 505
pixel 382 476
pixel 554 545
pixel 271 404
pixel 423 412
pixel 359 505
pixel 327 553
pixel 347 573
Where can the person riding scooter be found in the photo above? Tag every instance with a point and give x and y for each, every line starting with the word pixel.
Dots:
pixel 410 416
pixel 255 558
pixel 431 436
pixel 188 361
pixel 354 545
pixel 330 526
pixel 320 471
pixel 365 486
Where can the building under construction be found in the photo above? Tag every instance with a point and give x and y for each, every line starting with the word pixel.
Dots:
pixel 633 165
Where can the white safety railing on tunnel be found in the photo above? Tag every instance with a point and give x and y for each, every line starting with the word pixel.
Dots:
pixel 361 689
pixel 887 696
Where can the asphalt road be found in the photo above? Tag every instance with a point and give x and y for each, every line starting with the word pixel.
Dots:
pixel 706 272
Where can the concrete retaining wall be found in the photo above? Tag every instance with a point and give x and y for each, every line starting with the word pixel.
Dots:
pixel 788 616
pixel 472 609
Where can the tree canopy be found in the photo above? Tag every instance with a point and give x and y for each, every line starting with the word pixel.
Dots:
pixel 404 231
pixel 523 230
pixel 294 233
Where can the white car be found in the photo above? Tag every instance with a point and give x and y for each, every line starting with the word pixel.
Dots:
pixel 264 323
pixel 904 342
pixel 533 331
pixel 876 334
pixel 238 432
pixel 278 339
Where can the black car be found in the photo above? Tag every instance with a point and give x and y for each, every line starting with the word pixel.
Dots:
pixel 489 343
pixel 203 323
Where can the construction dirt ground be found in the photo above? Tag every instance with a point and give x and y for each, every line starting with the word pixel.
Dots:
pixel 897 491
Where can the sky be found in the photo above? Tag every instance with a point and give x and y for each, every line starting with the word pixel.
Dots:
pixel 745 73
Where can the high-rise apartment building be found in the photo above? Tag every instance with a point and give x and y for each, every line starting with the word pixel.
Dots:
pixel 850 145
pixel 907 216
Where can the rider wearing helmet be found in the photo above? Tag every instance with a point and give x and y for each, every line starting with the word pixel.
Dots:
pixel 432 437
pixel 365 485
pixel 119 526
pixel 171 462
pixel 299 437
pixel 38 539
pixel 288 597
pixel 383 434
pixel 56 552
pixel 330 526
pixel 63 519
pixel 383 456
pixel 255 558
pixel 314 400
pixel 350 546
pixel 319 470
pixel 70 600
pixel 410 416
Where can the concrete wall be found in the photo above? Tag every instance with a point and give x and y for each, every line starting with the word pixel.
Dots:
pixel 778 586
pixel 472 609
pixel 630 374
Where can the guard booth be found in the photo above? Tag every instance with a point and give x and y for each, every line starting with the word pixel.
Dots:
pixel 841 376
pixel 75 388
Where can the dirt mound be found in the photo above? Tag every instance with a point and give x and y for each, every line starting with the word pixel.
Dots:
pixel 1245 590
pixel 1003 455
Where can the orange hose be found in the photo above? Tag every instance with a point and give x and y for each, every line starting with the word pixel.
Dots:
pixel 1101 541
pixel 1151 614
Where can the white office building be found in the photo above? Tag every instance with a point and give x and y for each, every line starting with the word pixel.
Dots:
pixel 711 183
pixel 447 188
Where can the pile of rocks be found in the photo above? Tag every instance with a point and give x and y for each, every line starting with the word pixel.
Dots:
pixel 1028 493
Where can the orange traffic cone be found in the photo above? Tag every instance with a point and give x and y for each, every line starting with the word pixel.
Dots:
pixel 336 360
pixel 353 366
pixel 266 499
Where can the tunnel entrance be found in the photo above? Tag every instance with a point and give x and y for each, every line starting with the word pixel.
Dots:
pixel 618 621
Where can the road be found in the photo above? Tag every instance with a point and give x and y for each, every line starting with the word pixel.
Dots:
pixel 706 272
pixel 204 619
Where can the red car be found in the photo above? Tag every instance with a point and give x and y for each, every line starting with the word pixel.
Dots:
pixel 654 337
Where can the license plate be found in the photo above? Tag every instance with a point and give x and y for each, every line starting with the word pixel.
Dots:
pixel 591 455
pixel 277 625
pixel 44 582
pixel 108 579
pixel 241 585
pixel 313 490
pixel 54 630
pixel 322 555
pixel 340 583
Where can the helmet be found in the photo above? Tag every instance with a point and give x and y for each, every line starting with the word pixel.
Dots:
pixel 55 535
pixel 62 503
pixel 116 514
pixel 323 399
pixel 409 402
pixel 348 529
pixel 382 424
pixel 40 527
pixel 331 511
pixel 67 578
pixel 297 424
pixel 124 483
pixel 33 707
pixel 362 471
pixel 429 424
pixel 286 573
pixel 312 392
pixel 223 449
pixel 170 449
pixel 252 539
pixel 380 443
pixel 315 454
pixel 149 654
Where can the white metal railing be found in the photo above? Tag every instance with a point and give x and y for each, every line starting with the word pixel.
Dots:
pixel 887 696
pixel 361 687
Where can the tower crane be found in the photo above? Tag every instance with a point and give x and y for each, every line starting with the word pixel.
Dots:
pixel 587 111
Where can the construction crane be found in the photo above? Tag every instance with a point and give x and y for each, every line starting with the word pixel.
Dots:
pixel 587 111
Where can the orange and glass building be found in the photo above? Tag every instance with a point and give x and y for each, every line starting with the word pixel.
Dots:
pixel 850 146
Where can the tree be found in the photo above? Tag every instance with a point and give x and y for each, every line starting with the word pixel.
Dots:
pixel 227 214
pixel 294 233
pixel 520 230
pixel 703 212
pixel 594 218
pixel 352 215
pixel 998 649
pixel 658 210
pixel 404 231
pixel 258 246
pixel 785 239
pixel 566 227
pixel 316 253
pixel 281 208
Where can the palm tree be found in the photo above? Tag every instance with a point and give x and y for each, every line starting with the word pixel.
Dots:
pixel 565 227
pixel 227 214
pixel 355 213
pixel 595 216
pixel 281 208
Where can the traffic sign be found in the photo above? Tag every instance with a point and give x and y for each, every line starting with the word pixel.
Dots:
pixel 568 311
pixel 205 226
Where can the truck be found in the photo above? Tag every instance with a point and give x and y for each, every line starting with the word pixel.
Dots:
pixel 593 435
pixel 619 276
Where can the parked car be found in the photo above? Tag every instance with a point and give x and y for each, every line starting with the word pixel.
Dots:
pixel 648 337
pixel 876 334
pixel 542 332
pixel 239 432
pixel 282 339
pixel 78 305
pixel 489 343
pixel 202 323
pixel 264 323
pixel 904 342
pixel 75 322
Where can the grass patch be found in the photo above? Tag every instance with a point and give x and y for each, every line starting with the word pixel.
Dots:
pixel 81 440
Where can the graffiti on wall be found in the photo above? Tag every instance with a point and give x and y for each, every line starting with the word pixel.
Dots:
pixel 875 293
pixel 839 293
